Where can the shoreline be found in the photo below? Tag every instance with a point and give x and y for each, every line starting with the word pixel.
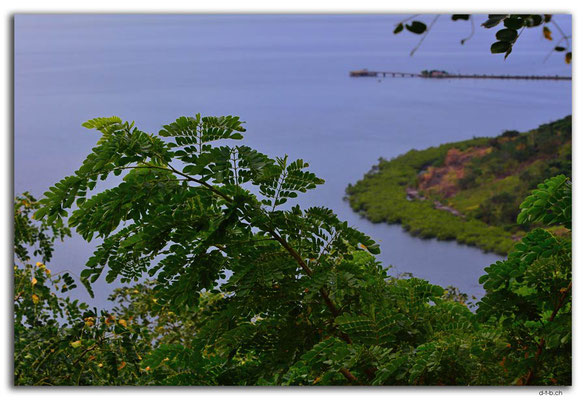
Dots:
pixel 468 191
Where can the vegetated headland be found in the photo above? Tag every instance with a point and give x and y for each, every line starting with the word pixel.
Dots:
pixel 437 74
pixel 469 191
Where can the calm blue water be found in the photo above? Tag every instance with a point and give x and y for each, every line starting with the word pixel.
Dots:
pixel 287 77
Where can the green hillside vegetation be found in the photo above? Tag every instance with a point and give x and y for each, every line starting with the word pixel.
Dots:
pixel 469 191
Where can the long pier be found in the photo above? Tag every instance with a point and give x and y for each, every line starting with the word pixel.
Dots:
pixel 443 75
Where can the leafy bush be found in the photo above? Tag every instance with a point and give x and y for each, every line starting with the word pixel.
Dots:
pixel 529 294
pixel 59 341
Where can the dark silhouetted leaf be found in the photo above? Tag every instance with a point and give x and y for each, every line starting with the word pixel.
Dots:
pixel 513 23
pixel 493 20
pixel 416 27
pixel 500 47
pixel 506 35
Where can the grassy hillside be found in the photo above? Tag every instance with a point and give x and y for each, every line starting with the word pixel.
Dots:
pixel 467 191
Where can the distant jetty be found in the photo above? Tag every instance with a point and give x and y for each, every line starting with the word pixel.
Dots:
pixel 436 74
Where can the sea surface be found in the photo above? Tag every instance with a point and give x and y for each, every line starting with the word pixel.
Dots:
pixel 287 77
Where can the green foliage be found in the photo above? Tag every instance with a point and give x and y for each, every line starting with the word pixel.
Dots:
pixel 529 294
pixel 30 236
pixel 201 222
pixel 550 203
pixel 244 291
pixel 513 23
pixel 59 341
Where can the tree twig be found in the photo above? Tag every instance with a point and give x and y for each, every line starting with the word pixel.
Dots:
pixel 472 31
pixel 424 35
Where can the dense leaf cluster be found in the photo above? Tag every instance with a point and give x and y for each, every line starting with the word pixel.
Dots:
pixel 29 236
pixel 529 294
pixel 59 341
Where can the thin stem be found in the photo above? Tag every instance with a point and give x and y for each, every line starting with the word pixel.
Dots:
pixel 234 160
pixel 332 239
pixel 472 30
pixel 424 35
pixel 553 49
pixel 282 178
pixel 190 178
pixel 407 19
pixel 560 30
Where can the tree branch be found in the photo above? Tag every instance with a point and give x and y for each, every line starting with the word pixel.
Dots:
pixel 349 376
pixel 329 303
pixel 424 35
